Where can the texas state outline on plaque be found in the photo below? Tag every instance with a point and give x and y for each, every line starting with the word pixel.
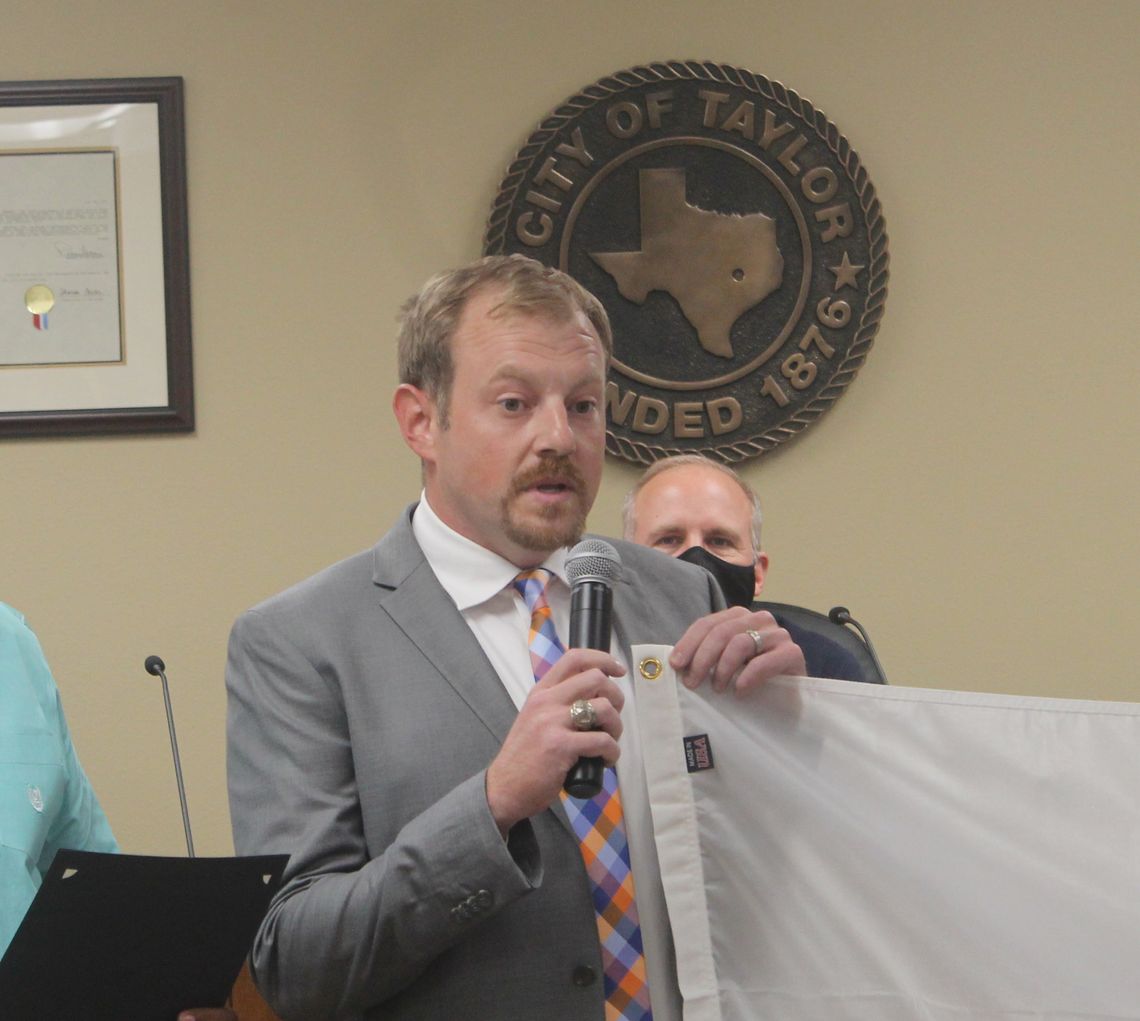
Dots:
pixel 716 265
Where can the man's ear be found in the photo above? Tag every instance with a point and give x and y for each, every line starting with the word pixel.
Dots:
pixel 418 419
pixel 760 568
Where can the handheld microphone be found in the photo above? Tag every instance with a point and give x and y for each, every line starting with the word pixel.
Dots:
pixel 156 668
pixel 841 615
pixel 592 567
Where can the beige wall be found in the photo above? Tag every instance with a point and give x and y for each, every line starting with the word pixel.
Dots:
pixel 971 497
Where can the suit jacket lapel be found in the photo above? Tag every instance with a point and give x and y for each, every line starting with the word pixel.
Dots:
pixel 411 595
pixel 638 619
pixel 633 618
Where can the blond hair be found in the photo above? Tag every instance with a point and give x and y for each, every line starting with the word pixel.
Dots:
pixel 428 320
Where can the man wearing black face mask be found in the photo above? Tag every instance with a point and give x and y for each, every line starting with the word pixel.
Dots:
pixel 700 510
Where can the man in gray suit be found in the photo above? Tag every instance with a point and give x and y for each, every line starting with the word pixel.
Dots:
pixel 385 728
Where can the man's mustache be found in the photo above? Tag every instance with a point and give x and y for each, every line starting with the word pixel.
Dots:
pixel 560 469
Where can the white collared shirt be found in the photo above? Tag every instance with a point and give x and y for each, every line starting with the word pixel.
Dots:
pixel 479 582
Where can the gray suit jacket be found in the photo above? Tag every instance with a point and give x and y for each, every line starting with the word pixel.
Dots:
pixel 362 716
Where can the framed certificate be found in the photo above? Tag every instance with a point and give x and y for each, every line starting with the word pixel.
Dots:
pixel 94 258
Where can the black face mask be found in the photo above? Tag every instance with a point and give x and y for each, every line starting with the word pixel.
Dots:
pixel 737 581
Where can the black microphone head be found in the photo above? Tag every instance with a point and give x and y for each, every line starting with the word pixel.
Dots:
pixel 593 560
pixel 839 615
pixel 154 666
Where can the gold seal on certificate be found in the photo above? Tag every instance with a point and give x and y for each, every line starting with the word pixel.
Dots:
pixel 39 299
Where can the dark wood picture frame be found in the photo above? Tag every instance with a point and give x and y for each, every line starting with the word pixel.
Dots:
pixel 176 412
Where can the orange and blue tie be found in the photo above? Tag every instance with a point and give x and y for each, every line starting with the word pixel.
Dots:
pixel 600 829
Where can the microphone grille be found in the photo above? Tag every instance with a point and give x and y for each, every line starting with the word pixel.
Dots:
pixel 593 560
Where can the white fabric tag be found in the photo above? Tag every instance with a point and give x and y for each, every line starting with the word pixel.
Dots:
pixel 871 853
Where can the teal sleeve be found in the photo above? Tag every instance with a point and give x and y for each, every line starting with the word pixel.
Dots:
pixel 46 800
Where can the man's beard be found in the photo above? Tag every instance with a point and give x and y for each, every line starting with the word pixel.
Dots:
pixel 562 525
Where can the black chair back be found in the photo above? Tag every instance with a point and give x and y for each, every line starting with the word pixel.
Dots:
pixel 809 623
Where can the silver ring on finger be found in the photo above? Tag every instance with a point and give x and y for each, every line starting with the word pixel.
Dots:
pixel 757 640
pixel 583 716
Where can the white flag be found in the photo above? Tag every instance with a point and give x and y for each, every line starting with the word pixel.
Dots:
pixel 854 852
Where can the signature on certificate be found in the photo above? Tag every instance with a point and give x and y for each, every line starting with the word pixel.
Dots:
pixel 80 252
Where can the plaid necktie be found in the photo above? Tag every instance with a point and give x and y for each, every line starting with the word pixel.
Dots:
pixel 601 835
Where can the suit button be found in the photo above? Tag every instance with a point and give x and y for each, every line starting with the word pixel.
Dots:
pixel 484 899
pixel 583 976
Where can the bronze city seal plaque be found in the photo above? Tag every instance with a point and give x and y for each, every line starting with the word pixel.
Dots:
pixel 733 236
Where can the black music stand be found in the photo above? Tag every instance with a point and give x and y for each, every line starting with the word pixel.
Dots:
pixel 119 937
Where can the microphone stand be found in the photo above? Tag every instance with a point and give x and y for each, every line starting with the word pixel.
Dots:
pixel 842 616
pixel 156 668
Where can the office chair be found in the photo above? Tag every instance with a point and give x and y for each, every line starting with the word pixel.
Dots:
pixel 831 627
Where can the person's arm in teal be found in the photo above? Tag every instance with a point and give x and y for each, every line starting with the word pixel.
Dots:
pixel 46 800
pixel 79 822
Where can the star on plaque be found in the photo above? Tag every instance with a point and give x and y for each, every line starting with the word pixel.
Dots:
pixel 846 273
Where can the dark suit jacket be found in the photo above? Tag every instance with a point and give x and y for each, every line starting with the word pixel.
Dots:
pixel 362 716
